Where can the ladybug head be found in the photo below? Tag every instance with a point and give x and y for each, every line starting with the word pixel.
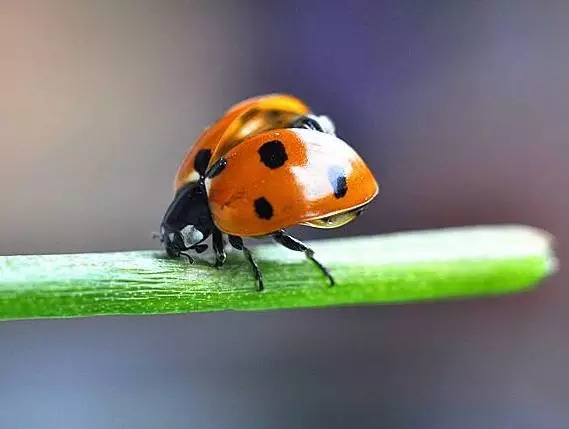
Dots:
pixel 187 221
pixel 172 241
pixel 177 241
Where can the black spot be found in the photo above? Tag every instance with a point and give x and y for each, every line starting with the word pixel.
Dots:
pixel 273 154
pixel 202 160
pixel 337 178
pixel 217 168
pixel 263 208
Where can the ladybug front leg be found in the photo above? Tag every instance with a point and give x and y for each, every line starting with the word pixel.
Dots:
pixel 237 242
pixel 292 243
pixel 218 247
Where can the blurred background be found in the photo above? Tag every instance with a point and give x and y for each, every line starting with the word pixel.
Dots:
pixel 461 110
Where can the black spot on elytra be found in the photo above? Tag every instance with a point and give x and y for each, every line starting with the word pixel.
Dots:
pixel 263 208
pixel 202 160
pixel 337 178
pixel 273 154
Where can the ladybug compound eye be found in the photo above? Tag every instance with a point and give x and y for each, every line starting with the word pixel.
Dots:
pixel 173 242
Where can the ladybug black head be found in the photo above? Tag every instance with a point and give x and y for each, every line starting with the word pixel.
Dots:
pixel 187 221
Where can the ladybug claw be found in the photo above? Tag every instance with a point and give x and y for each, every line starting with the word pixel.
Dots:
pixel 219 261
pixel 189 258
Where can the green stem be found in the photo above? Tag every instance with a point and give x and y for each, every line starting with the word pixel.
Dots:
pixel 379 269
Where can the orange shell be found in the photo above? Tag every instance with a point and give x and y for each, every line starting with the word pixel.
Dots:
pixel 260 191
pixel 243 120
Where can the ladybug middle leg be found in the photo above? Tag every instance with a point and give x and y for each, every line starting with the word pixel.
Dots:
pixel 292 243
pixel 218 247
pixel 237 243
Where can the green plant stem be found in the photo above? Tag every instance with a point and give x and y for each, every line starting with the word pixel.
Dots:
pixel 399 267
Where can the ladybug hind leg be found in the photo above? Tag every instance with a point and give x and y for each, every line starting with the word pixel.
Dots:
pixel 237 243
pixel 292 243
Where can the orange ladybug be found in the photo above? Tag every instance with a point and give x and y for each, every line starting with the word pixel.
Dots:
pixel 241 121
pixel 268 182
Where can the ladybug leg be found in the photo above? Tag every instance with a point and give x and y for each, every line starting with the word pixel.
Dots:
pixel 218 247
pixel 292 243
pixel 237 242
pixel 199 248
pixel 188 257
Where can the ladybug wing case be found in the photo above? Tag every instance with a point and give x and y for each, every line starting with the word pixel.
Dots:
pixel 288 176
pixel 241 121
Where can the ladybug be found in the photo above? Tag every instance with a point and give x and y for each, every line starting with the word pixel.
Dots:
pixel 303 174
pixel 241 121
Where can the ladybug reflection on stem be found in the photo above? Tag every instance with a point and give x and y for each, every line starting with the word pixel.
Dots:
pixel 276 176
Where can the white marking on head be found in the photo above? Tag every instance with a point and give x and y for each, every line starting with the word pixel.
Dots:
pixel 191 235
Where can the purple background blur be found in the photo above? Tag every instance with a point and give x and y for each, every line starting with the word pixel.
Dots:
pixel 460 108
